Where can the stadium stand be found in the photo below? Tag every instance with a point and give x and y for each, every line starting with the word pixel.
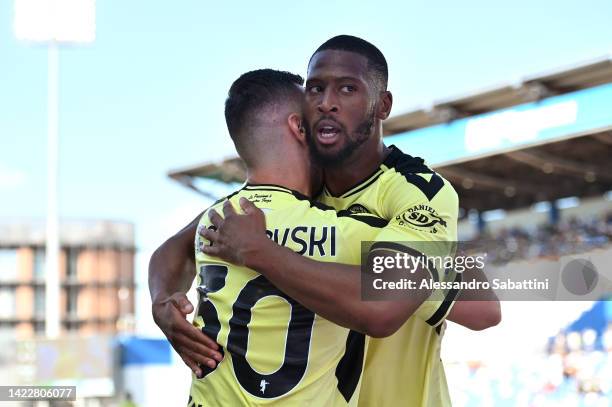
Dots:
pixel 569 236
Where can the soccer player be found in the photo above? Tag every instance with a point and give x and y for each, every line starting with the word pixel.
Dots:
pixel 277 352
pixel 346 101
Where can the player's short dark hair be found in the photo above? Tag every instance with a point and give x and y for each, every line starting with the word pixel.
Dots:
pixel 255 91
pixel 377 64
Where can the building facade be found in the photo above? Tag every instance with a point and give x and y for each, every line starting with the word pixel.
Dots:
pixel 96 275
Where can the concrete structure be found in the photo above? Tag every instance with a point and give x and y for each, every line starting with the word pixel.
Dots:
pixel 96 273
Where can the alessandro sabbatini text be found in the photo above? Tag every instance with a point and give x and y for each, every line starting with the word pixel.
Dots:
pixel 395 270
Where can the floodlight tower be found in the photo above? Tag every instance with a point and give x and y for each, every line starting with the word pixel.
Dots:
pixel 54 22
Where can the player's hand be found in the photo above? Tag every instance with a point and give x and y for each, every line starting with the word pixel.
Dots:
pixel 237 237
pixel 193 346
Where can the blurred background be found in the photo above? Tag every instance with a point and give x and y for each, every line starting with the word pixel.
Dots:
pixel 112 137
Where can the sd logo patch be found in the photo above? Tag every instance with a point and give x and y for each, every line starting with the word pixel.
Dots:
pixel 421 217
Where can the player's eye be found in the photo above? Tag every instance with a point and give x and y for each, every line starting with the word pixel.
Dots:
pixel 314 89
pixel 348 88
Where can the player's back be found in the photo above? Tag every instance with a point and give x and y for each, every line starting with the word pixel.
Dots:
pixel 275 350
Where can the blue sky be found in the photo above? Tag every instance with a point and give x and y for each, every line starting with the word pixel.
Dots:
pixel 147 96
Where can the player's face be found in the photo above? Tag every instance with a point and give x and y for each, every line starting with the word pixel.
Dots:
pixel 340 105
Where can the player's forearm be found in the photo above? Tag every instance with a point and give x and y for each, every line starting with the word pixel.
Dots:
pixel 476 315
pixel 167 275
pixel 172 265
pixel 476 309
pixel 331 290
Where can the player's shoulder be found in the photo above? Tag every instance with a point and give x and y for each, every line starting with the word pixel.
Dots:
pixel 345 216
pixel 406 175
pixel 217 206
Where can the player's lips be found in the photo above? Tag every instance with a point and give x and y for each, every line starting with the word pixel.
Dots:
pixel 327 131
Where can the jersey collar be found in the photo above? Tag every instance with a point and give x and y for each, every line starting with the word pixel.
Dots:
pixel 273 187
pixel 388 162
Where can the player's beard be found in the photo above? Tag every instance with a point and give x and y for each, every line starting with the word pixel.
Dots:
pixel 351 143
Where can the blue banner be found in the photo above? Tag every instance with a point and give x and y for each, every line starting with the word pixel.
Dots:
pixel 505 129
pixel 141 351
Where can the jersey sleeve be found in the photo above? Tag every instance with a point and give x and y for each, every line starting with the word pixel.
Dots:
pixel 354 230
pixel 422 210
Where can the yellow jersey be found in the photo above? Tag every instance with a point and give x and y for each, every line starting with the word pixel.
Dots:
pixel 276 352
pixel 405 369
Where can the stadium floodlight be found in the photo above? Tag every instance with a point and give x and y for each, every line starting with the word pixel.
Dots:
pixel 53 22
pixel 59 21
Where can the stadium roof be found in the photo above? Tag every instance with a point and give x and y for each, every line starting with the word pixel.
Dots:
pixel 578 166
pixel 530 89
pixel 575 164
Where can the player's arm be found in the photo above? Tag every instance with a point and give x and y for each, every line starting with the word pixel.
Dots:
pixel 171 272
pixel 476 309
pixel 172 265
pixel 331 290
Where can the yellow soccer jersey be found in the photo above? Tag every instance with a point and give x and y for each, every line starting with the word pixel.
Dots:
pixel 276 352
pixel 405 369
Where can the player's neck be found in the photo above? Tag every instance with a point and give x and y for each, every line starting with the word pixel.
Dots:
pixel 341 178
pixel 291 178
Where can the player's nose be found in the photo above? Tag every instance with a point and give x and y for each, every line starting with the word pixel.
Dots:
pixel 328 102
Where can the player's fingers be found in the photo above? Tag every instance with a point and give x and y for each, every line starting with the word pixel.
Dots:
pixel 195 335
pixel 191 364
pixel 208 342
pixel 193 352
pixel 198 337
pixel 248 207
pixel 202 230
pixel 215 218
pixel 211 250
pixel 187 359
pixel 200 359
pixel 228 209
pixel 211 235
pixel 198 348
pixel 181 302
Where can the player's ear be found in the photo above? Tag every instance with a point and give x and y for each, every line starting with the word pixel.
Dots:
pixel 384 105
pixel 295 126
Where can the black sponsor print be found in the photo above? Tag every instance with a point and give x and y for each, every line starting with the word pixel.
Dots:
pixel 421 216
pixel 358 208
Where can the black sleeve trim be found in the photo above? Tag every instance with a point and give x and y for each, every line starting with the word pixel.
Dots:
pixel 409 166
pixel 452 294
pixel 371 220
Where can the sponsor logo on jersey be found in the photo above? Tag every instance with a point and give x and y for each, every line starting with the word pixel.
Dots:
pixel 260 198
pixel 421 217
pixel 357 208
